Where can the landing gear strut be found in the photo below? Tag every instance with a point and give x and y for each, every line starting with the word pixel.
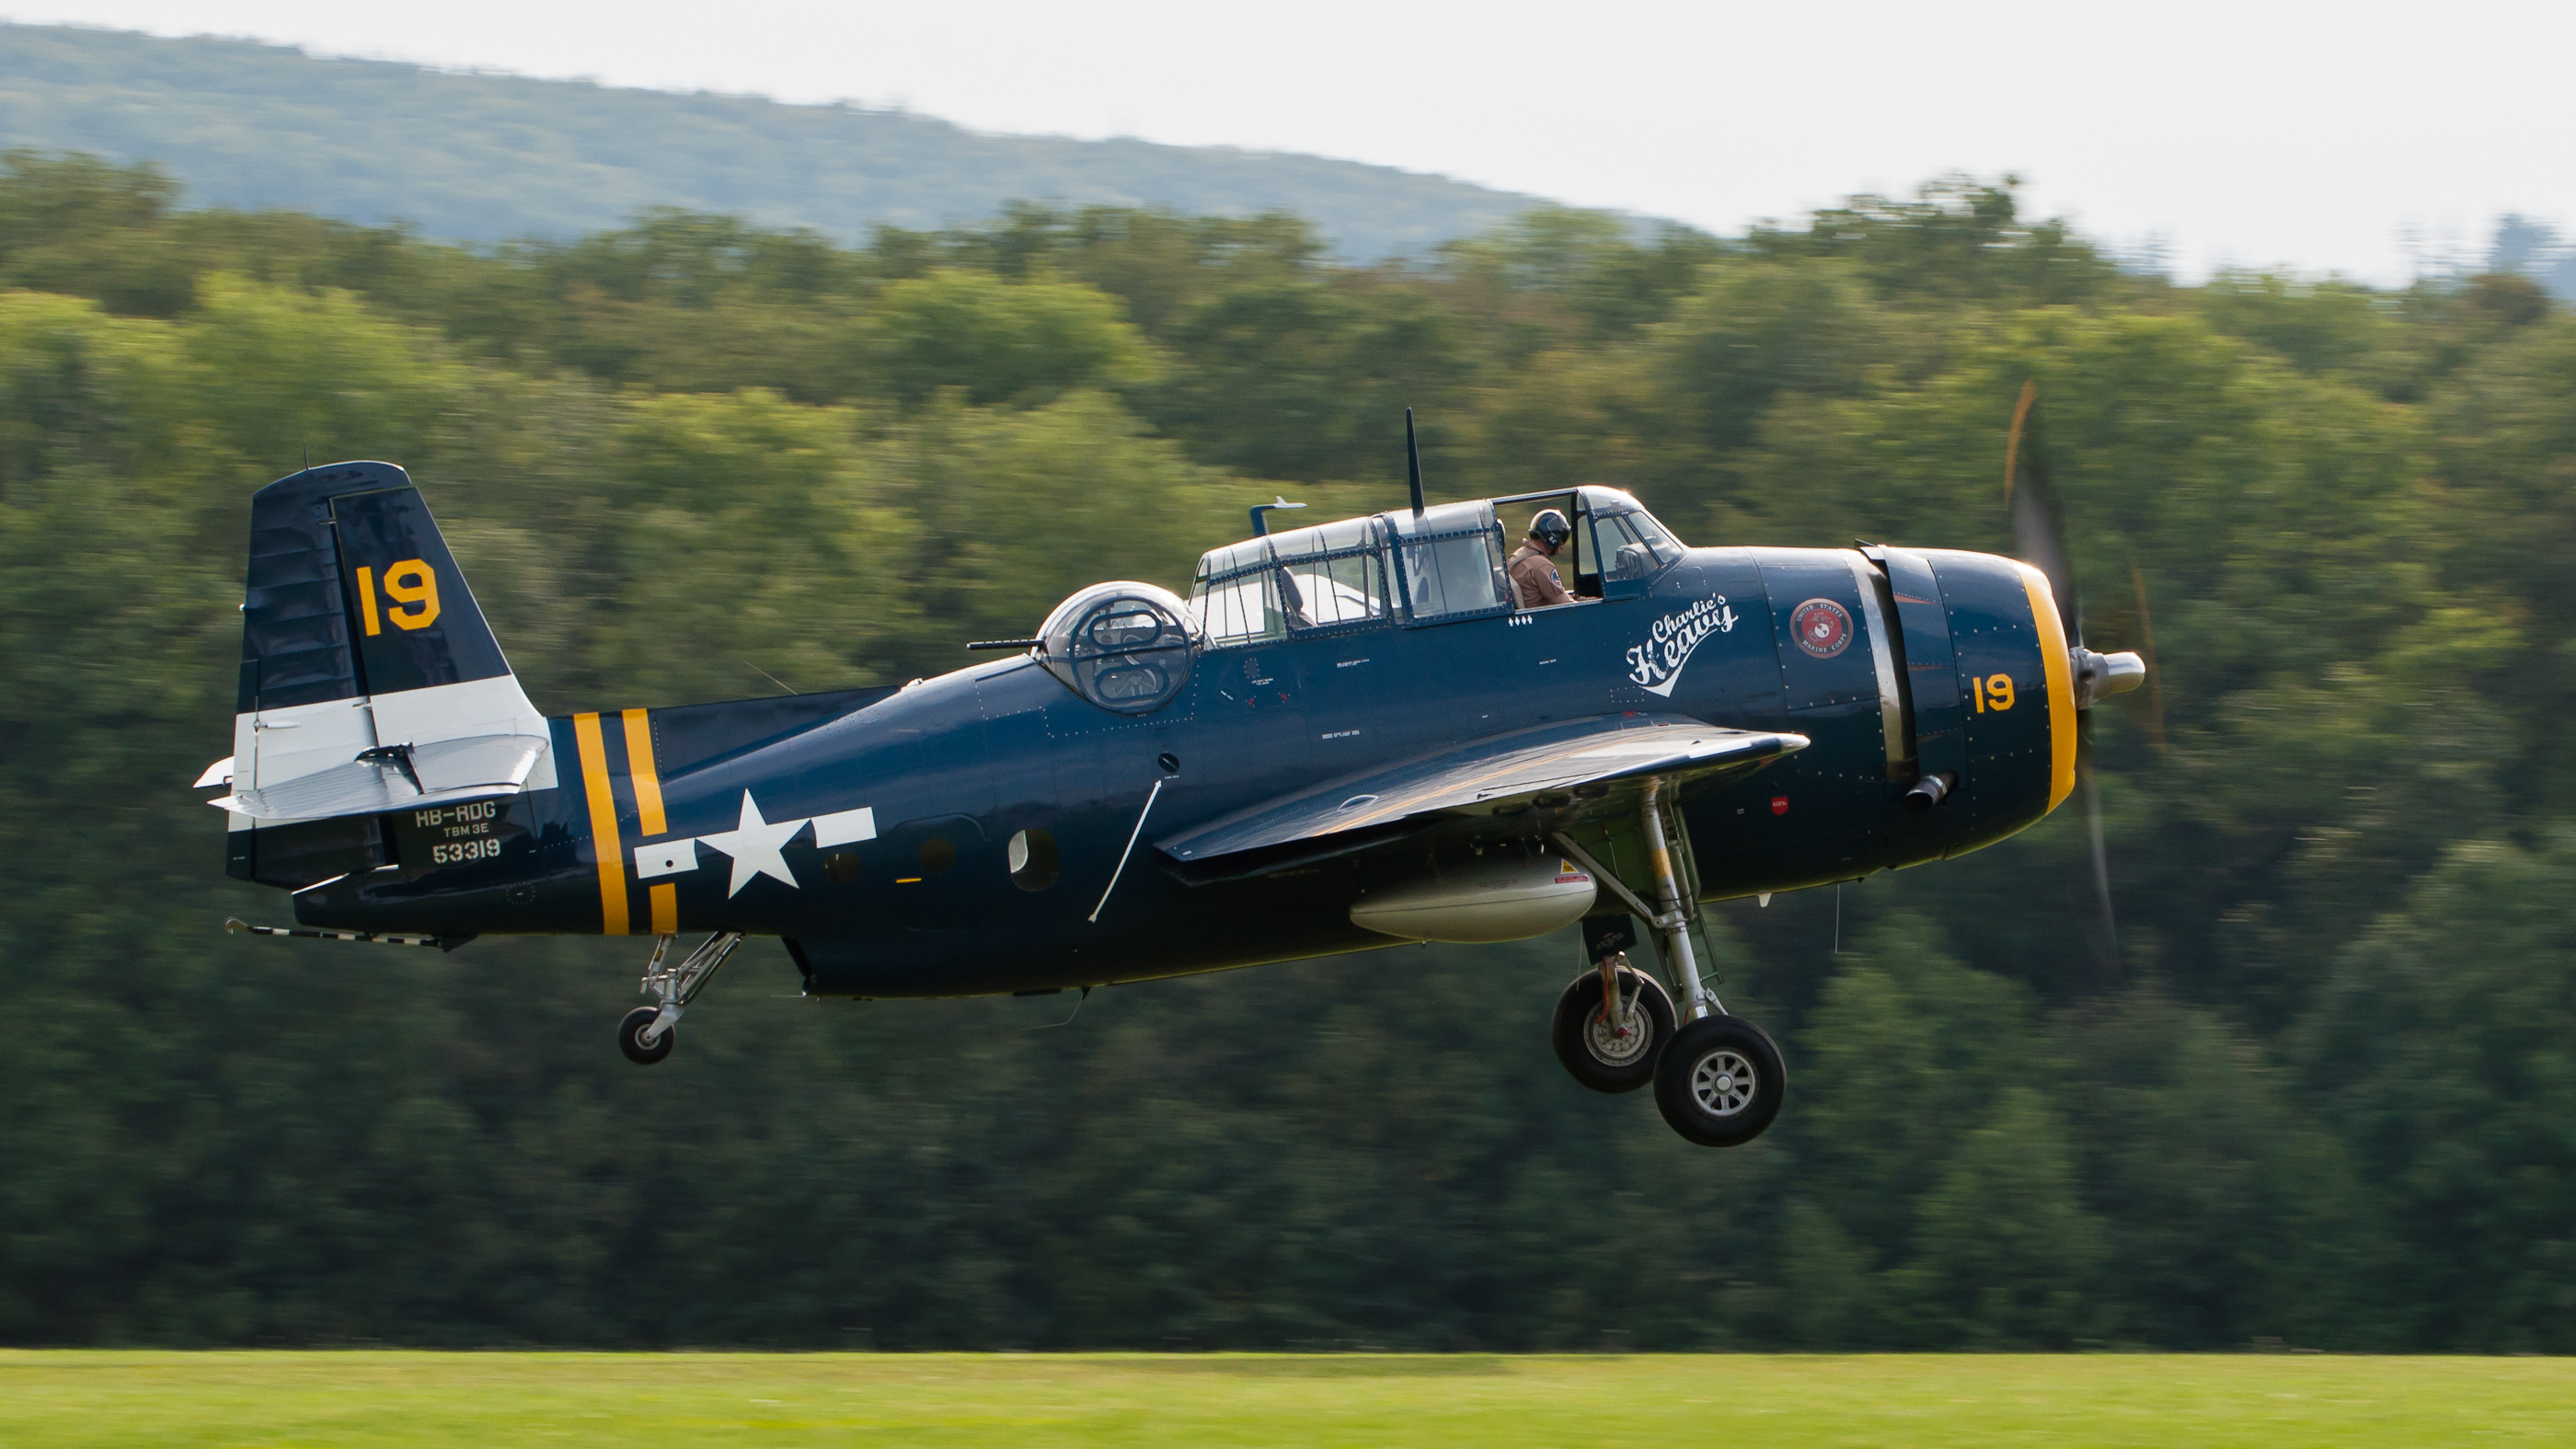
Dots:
pixel 1719 1079
pixel 1674 920
pixel 648 1032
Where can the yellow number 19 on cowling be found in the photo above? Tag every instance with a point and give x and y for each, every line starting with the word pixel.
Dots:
pixel 411 587
pixel 1995 691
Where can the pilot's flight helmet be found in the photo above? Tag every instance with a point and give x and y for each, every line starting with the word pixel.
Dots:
pixel 1550 528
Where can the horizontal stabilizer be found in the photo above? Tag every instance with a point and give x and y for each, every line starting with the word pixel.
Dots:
pixel 1497 777
pixel 398 778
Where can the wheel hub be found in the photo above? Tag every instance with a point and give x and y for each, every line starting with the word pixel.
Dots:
pixel 1723 1082
pixel 1622 1043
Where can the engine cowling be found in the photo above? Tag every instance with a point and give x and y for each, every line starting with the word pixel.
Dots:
pixel 1500 896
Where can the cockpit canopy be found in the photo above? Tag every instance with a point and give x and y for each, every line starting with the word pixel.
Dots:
pixel 1330 576
pixel 1443 564
pixel 1127 646
pixel 1626 543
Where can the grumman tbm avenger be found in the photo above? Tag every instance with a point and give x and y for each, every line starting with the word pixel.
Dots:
pixel 1350 735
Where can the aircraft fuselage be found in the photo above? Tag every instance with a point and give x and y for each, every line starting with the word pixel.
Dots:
pixel 874 830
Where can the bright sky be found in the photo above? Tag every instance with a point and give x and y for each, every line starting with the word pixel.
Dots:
pixel 2353 136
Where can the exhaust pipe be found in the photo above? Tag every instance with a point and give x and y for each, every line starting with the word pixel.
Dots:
pixel 1929 791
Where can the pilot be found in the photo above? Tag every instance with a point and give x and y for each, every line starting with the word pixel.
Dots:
pixel 1534 581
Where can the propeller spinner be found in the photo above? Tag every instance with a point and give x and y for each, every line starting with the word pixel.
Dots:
pixel 2040 541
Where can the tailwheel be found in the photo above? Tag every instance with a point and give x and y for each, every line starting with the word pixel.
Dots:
pixel 648 1031
pixel 1720 1081
pixel 630 1036
pixel 1612 1053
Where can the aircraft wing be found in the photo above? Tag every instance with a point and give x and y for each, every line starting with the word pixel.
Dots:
pixel 1503 775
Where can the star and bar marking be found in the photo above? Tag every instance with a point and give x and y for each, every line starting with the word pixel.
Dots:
pixel 756 845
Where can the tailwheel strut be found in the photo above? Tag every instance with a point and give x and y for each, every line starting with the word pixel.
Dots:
pixel 649 1032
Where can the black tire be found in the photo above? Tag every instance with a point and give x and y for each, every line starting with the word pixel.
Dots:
pixel 1593 1054
pixel 630 1037
pixel 1700 1083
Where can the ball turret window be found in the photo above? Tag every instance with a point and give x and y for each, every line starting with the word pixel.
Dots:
pixel 1125 646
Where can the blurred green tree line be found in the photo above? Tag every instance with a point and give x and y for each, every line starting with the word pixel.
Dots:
pixel 2323 1097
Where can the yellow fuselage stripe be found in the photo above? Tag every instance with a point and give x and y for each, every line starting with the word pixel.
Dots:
pixel 648 782
pixel 2061 685
pixel 662 902
pixel 603 823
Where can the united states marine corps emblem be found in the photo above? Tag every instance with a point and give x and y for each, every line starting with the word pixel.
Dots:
pixel 1823 628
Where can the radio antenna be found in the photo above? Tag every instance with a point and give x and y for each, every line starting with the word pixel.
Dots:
pixel 1413 462
pixel 1261 515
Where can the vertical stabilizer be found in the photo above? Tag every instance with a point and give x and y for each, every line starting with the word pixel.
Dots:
pixel 369 679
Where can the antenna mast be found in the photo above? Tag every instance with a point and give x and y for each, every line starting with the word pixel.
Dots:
pixel 1413 462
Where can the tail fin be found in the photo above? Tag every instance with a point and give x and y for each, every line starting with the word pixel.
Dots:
pixel 369 680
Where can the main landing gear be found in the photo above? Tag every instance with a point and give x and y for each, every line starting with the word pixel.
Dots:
pixel 1719 1079
pixel 649 1032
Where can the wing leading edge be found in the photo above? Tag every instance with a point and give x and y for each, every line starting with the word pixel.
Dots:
pixel 1503 776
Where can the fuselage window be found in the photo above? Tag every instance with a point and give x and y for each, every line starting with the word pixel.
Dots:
pixel 1033 860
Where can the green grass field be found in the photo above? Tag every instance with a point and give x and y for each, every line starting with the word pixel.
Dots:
pixel 1749 1402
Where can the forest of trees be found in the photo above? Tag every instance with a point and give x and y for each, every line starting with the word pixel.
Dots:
pixel 485 157
pixel 2326 1096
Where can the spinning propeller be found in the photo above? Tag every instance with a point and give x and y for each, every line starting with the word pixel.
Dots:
pixel 2041 542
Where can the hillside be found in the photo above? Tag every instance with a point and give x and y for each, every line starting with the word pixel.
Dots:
pixel 486 157
pixel 2535 250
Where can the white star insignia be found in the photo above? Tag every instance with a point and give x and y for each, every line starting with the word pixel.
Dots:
pixel 754 845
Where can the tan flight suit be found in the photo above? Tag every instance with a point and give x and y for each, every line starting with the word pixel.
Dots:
pixel 1534 581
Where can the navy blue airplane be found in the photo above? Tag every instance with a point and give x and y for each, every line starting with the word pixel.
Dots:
pixel 1349 736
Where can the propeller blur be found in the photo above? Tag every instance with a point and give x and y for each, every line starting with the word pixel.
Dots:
pixel 2040 539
